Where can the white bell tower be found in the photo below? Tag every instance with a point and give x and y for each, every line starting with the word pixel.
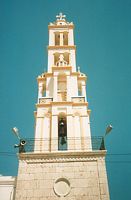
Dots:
pixel 63 161
pixel 62 117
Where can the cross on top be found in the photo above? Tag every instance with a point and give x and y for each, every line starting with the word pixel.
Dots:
pixel 60 16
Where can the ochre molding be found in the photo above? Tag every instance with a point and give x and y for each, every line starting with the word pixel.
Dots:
pixel 71 26
pixel 62 47
pixel 80 104
pixel 82 78
pixel 62 103
pixel 43 105
pixel 54 68
pixel 43 78
pixel 89 112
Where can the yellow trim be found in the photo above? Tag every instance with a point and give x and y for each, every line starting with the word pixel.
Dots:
pixel 43 105
pixel 39 79
pixel 62 47
pixel 82 78
pixel 48 74
pixel 89 112
pixel 71 26
pixel 54 68
pixel 80 104
pixel 75 73
pixel 62 103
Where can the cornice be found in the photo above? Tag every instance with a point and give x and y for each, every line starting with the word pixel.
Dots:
pixel 43 78
pixel 71 26
pixel 82 78
pixel 7 181
pixel 61 103
pixel 53 157
pixel 55 68
pixel 61 47
pixel 80 104
pixel 39 105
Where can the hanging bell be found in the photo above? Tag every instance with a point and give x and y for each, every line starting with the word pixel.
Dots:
pixel 63 141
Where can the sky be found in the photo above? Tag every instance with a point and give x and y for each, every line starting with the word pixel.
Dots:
pixel 103 40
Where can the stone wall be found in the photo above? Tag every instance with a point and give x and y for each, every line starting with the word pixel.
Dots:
pixel 69 176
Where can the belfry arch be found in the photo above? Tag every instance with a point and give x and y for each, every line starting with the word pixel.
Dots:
pixel 62 132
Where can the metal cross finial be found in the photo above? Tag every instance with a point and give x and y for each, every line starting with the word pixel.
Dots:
pixel 60 16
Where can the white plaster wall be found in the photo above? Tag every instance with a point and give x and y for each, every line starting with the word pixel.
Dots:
pixel 7 187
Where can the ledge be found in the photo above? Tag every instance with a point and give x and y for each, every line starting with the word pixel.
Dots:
pixel 61 26
pixel 63 156
pixel 62 47
pixel 55 68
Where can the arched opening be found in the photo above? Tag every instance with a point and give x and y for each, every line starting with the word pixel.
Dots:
pixel 57 38
pixel 61 59
pixel 65 38
pixel 62 132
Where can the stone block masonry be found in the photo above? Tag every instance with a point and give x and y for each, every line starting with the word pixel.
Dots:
pixel 56 176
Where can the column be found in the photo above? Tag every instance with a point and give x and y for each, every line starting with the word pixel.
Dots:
pixel 38 134
pixel 68 88
pixel 70 134
pixel 77 137
pixel 61 39
pixel 84 91
pixel 86 133
pixel 46 133
pixel 55 89
pixel 54 133
pixel 51 38
pixel 40 91
pixel 73 59
pixel 50 60
pixel 70 38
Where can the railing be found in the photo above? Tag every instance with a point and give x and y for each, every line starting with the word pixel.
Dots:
pixel 45 100
pixel 80 99
pixel 72 144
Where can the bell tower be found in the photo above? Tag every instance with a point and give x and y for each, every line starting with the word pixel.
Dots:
pixel 64 161
pixel 62 117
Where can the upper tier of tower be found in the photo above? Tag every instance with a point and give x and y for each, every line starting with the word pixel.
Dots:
pixel 61 48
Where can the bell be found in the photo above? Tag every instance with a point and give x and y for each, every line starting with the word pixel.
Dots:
pixel 63 141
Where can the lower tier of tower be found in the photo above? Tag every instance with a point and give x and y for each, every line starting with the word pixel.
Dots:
pixel 62 175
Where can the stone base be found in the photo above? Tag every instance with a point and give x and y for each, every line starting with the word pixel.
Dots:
pixel 62 176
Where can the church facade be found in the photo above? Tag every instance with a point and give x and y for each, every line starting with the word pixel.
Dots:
pixel 65 162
